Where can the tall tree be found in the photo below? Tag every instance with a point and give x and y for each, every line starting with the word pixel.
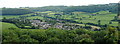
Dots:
pixel 118 15
pixel 99 22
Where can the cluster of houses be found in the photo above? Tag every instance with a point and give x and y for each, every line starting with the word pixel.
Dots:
pixel 40 24
pixel 44 25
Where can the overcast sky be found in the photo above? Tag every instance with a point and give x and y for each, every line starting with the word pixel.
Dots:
pixel 40 3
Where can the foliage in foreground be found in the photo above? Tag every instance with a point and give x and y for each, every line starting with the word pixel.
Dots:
pixel 108 36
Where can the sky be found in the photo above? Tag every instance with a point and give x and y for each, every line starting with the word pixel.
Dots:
pixel 41 3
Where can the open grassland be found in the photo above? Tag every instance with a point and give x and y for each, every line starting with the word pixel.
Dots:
pixel 7 25
pixel 14 16
pixel 87 18
pixel 35 17
pixel 104 16
pixel 9 16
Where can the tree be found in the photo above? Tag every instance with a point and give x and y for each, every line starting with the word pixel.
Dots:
pixel 80 18
pixel 54 39
pixel 99 22
pixel 84 39
pixel 38 35
pixel 118 15
pixel 80 31
pixel 10 36
pixel 112 33
pixel 110 22
pixel 4 18
pixel 27 38
pixel 12 28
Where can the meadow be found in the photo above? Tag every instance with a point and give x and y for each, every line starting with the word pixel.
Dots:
pixel 104 16
pixel 7 25
pixel 92 24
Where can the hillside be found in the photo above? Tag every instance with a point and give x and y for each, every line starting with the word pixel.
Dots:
pixel 112 7
pixel 15 11
pixel 7 25
pixel 92 24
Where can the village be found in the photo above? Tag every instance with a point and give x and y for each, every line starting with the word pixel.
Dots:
pixel 64 26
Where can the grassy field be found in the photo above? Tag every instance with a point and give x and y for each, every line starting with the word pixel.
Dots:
pixel 4 26
pixel 104 16
pixel 14 16
pixel 87 18
pixel 34 17
pixel 9 16
pixel 7 25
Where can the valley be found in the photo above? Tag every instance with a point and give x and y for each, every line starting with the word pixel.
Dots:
pixel 77 18
pixel 92 24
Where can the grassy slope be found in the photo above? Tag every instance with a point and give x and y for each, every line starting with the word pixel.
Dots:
pixel 105 18
pixel 34 17
pixel 9 16
pixel 7 25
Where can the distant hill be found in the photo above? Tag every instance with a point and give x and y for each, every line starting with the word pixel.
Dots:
pixel 49 8
pixel 15 11
pixel 112 7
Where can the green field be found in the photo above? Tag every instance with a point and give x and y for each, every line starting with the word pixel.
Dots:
pixel 86 18
pixel 82 24
pixel 104 16
pixel 7 25
pixel 34 17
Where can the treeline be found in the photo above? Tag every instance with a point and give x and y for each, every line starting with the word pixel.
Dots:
pixel 66 9
pixel 52 35
pixel 49 8
pixel 15 11
pixel 93 8
pixel 20 23
pixel 112 7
